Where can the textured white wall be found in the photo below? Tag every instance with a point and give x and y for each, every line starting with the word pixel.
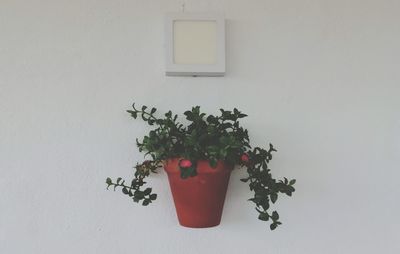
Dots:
pixel 319 79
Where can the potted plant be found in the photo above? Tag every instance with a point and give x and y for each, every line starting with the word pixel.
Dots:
pixel 198 157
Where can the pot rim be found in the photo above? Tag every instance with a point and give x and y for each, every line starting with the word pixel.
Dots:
pixel 203 166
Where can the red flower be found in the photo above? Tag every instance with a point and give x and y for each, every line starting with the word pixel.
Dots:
pixel 185 163
pixel 245 158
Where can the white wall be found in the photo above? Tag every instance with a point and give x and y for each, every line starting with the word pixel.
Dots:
pixel 318 78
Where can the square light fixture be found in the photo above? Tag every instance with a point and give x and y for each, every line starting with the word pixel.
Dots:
pixel 195 44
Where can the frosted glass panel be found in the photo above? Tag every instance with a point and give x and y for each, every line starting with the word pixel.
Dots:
pixel 195 42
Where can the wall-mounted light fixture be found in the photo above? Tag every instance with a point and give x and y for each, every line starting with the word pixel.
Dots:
pixel 195 44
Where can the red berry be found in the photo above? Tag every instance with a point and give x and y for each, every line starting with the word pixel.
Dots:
pixel 245 158
pixel 185 163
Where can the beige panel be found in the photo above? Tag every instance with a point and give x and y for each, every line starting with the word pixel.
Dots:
pixel 195 42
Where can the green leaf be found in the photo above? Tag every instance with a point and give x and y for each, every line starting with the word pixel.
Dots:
pixel 275 216
pixel 147 191
pixel 125 191
pixel 263 216
pixel 293 181
pixel 153 196
pixel 133 113
pixel 273 226
pixel 184 173
pixel 213 162
pixel 274 197
pixel 138 194
pixel 193 172
pixel 146 202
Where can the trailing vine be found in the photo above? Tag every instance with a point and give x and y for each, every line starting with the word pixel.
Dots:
pixel 205 137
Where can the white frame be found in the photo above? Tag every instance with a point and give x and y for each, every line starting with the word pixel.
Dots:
pixel 173 69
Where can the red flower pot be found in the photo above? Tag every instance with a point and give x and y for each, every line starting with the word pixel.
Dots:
pixel 199 200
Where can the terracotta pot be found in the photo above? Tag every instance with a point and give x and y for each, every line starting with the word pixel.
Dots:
pixel 199 200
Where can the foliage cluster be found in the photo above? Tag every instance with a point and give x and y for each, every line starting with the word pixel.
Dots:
pixel 204 137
